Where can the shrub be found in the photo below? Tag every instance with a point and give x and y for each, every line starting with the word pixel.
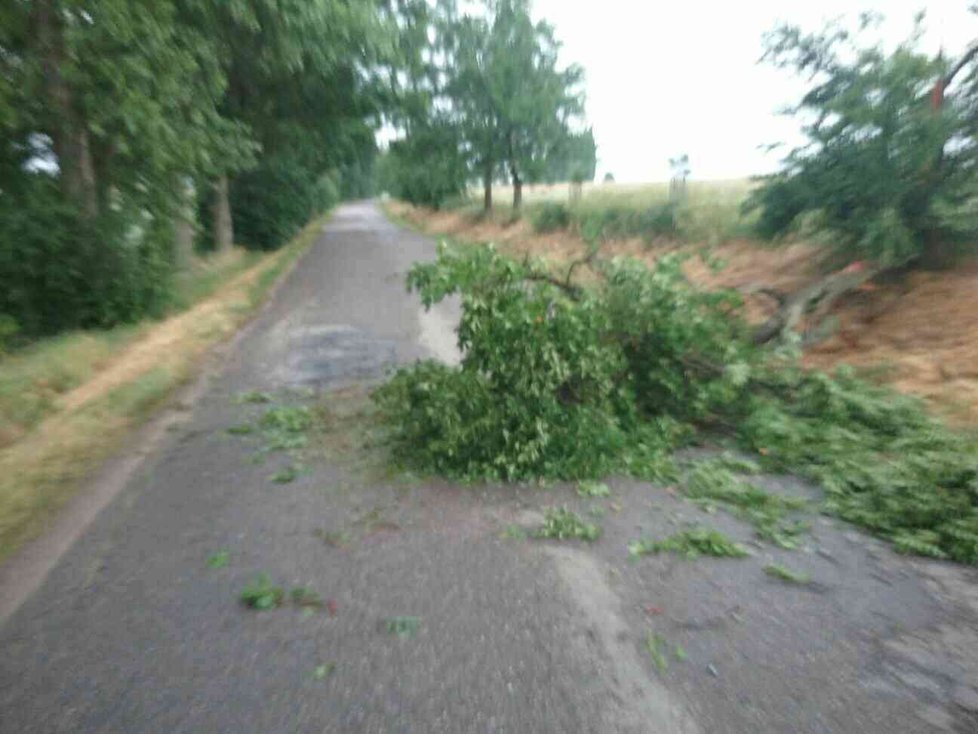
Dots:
pixel 425 168
pixel 571 382
pixel 60 270
pixel 273 201
pixel 551 217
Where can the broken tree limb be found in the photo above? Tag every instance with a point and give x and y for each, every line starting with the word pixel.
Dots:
pixel 817 299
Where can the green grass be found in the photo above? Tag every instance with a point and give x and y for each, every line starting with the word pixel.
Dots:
pixel 33 378
pixel 206 274
pixel 691 544
pixel 710 213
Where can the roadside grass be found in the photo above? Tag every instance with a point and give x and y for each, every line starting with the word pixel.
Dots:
pixel 66 403
pixel 34 378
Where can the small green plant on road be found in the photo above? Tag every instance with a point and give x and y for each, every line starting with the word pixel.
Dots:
pixel 403 627
pixel 655 645
pixel 711 482
pixel 286 427
pixel 261 594
pixel 285 475
pixel 783 573
pixel 302 596
pixel 321 672
pixel 559 523
pixel 690 543
pixel 219 559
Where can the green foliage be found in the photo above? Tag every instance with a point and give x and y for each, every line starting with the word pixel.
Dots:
pixel 60 270
pixel 273 201
pixel 303 596
pixel 8 331
pixel 219 559
pixel 884 159
pixel 883 462
pixel 261 595
pixel 322 671
pixel 711 482
pixel 286 428
pixel 559 380
pixel 691 544
pixel 403 627
pixel 619 222
pixel 550 216
pixel 427 167
pixel 285 475
pixel 559 523
pixel 541 391
pixel 110 110
pixel 572 158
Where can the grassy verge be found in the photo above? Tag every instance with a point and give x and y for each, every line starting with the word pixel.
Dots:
pixel 66 403
pixel 709 213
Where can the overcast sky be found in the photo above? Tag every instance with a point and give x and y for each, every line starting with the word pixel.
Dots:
pixel 682 77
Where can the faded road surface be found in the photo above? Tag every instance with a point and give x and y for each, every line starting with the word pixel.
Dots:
pixel 133 630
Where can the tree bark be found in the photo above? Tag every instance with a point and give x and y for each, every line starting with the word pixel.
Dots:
pixel 487 188
pixel 517 189
pixel 69 133
pixel 223 226
pixel 817 299
pixel 183 226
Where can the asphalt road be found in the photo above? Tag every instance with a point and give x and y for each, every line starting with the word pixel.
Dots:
pixel 435 618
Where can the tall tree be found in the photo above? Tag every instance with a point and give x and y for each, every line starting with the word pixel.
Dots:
pixel 891 149
pixel 533 100
pixel 514 104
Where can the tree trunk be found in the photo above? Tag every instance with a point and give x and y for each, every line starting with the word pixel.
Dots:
pixel 487 188
pixel 183 226
pixel 69 133
pixel 223 226
pixel 517 189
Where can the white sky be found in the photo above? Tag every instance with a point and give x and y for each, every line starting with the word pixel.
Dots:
pixel 666 78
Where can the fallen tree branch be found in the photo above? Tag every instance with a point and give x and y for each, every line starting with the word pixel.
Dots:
pixel 817 298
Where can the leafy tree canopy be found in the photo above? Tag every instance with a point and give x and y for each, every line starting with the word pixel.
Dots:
pixel 890 154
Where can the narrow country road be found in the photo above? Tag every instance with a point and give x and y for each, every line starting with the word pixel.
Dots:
pixel 436 615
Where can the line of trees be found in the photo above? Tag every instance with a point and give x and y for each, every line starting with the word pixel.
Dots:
pixel 130 127
pixel 484 98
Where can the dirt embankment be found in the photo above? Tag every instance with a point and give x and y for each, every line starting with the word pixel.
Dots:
pixel 919 333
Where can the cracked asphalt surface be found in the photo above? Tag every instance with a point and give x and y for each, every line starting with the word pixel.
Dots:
pixel 134 631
